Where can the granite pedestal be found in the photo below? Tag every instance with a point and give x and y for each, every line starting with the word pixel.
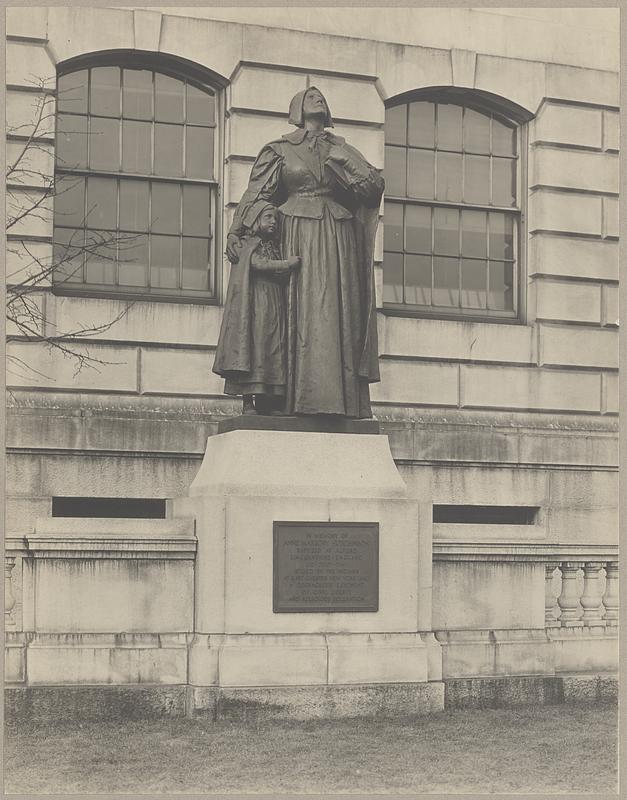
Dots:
pixel 251 479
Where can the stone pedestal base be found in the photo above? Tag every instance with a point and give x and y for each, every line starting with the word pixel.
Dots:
pixel 250 479
pixel 329 702
pixel 333 659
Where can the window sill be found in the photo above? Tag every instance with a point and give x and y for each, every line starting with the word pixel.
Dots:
pixel 415 313
pixel 103 294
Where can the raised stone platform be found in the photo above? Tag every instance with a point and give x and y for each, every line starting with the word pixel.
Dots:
pixel 322 423
pixel 42 704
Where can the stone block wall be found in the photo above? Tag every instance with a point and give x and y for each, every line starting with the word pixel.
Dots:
pixel 458 398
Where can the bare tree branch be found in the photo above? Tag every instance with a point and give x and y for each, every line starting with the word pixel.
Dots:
pixel 30 192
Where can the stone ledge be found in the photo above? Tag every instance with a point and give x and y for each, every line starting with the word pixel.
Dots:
pixel 451 550
pixel 89 538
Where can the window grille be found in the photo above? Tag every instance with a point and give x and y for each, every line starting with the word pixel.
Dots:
pixel 136 184
pixel 453 210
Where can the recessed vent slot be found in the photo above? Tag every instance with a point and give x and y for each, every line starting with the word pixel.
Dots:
pixel 135 507
pixel 486 515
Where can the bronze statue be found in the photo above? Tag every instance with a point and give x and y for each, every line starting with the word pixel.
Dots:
pixel 255 308
pixel 328 196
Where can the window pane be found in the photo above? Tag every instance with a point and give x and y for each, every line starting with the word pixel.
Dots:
pixel 105 91
pixel 137 93
pixel 477 179
pixel 101 257
pixel 69 201
pixel 68 254
pixel 165 215
pixel 136 147
pixel 195 263
pixel 130 245
pixel 418 280
pixel 102 203
pixel 396 171
pixel 503 182
pixel 445 281
pixel 446 231
pixel 104 144
pixel 168 150
pixel 393 227
pixel 197 210
pixel 421 132
pixel 476 132
pixel 71 142
pixel 474 283
pixel 169 97
pixel 200 106
pixel 133 261
pixel 164 261
pixel 503 139
pixel 449 172
pixel 420 174
pixel 396 125
pixel 449 127
pixel 133 205
pixel 393 278
pixel 501 236
pixel 475 234
pixel 72 92
pixel 418 229
pixel 199 153
pixel 501 296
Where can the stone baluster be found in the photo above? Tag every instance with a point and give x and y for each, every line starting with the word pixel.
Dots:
pixel 550 620
pixel 568 600
pixel 591 598
pixel 9 597
pixel 610 598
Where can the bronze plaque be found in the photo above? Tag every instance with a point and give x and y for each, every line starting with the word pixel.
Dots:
pixel 326 566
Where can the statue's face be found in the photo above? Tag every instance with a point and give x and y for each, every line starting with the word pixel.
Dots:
pixel 268 222
pixel 314 103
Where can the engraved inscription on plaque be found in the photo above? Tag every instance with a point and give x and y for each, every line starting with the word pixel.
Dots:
pixel 326 566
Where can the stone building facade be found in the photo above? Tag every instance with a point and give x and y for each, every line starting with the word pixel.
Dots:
pixel 499 368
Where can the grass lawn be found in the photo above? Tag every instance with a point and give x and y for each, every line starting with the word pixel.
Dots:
pixel 534 750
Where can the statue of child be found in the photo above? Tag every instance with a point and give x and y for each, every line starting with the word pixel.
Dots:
pixel 252 348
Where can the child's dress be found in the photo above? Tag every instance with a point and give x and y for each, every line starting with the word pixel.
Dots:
pixel 266 344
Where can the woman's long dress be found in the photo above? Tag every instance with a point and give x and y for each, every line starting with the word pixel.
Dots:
pixel 329 305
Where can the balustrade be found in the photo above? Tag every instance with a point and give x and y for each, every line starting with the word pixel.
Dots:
pixel 581 603
pixel 9 595
pixel 550 599
pixel 610 598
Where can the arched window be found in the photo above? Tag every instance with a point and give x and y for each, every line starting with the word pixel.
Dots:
pixel 452 208
pixel 136 182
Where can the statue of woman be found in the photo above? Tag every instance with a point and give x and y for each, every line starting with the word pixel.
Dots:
pixel 329 196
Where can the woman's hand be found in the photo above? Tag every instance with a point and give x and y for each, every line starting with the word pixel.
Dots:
pixel 289 264
pixel 232 248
